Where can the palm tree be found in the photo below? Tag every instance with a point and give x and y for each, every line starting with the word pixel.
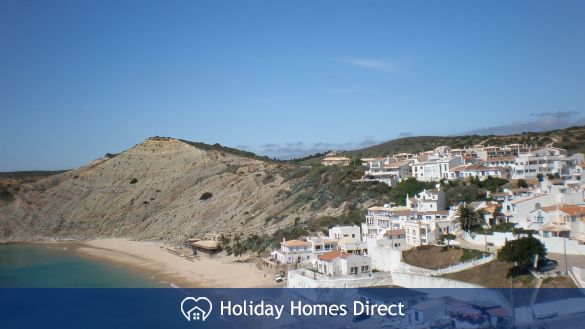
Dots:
pixel 467 218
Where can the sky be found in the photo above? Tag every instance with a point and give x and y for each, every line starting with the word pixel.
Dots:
pixel 79 79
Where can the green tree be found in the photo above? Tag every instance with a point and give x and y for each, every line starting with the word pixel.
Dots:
pixel 462 193
pixel 493 184
pixel 410 186
pixel 521 183
pixel 446 240
pixel 467 218
pixel 522 251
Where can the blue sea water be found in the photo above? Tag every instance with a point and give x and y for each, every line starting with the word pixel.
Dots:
pixel 58 266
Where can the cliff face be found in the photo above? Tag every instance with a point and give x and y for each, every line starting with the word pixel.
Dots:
pixel 154 191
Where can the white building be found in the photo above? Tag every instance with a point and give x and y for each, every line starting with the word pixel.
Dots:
pixel 428 226
pixel 338 263
pixel 293 251
pixel 321 245
pixel 519 209
pixel 381 219
pixel 427 200
pixel 434 168
pixel 476 170
pixel 340 232
pixel 388 170
pixel 352 246
pixel 397 238
pixel 560 221
pixel 545 161
pixel 332 159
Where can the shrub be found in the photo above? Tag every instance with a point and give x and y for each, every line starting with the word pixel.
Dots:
pixel 205 196
pixel 133 181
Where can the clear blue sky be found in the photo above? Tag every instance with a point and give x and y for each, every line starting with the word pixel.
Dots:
pixel 82 78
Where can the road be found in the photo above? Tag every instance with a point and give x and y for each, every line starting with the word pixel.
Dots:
pixel 573 260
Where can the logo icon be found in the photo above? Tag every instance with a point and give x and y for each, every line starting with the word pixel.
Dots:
pixel 197 309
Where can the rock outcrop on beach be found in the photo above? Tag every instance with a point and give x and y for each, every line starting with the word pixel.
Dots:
pixel 160 189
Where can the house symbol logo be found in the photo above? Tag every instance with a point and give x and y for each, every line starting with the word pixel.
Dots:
pixel 196 309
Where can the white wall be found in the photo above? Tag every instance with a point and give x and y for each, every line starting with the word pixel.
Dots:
pixel 309 279
pixel 556 245
pixel 384 257
pixel 498 239
pixel 407 268
pixel 421 281
pixel 553 244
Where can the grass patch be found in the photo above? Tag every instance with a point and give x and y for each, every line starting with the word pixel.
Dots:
pixel 558 282
pixel 435 257
pixel 495 274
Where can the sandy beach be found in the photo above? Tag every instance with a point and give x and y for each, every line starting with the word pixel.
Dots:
pixel 155 260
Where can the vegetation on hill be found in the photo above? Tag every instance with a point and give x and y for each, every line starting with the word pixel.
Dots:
pixel 320 186
pixel 408 187
pixel 230 150
pixel 257 243
pixel 30 176
pixel 11 182
pixel 572 139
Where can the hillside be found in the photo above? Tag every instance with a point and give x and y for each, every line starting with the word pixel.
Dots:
pixel 168 189
pixel 12 182
pixel 572 139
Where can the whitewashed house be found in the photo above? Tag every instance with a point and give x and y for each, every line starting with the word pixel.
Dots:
pixel 559 221
pixel 352 246
pixel 381 219
pixel 338 263
pixel 427 200
pixel 340 232
pixel 333 159
pixel 388 170
pixel 434 168
pixel 397 238
pixel 293 251
pixel 477 170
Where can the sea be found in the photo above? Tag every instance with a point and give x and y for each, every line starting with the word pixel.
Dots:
pixel 52 265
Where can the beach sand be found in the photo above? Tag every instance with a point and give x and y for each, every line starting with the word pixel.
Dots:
pixel 153 259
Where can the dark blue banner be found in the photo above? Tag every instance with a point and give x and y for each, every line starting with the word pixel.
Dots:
pixel 292 308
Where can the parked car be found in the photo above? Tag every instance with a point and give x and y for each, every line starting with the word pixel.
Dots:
pixel 278 278
pixel 545 265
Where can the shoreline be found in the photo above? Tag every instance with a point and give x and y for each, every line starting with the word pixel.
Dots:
pixel 151 258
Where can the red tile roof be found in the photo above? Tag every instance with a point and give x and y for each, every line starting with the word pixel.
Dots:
pixel 329 256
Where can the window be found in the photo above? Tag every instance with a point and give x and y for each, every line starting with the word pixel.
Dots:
pixel 539 217
pixel 354 270
pixel 365 269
